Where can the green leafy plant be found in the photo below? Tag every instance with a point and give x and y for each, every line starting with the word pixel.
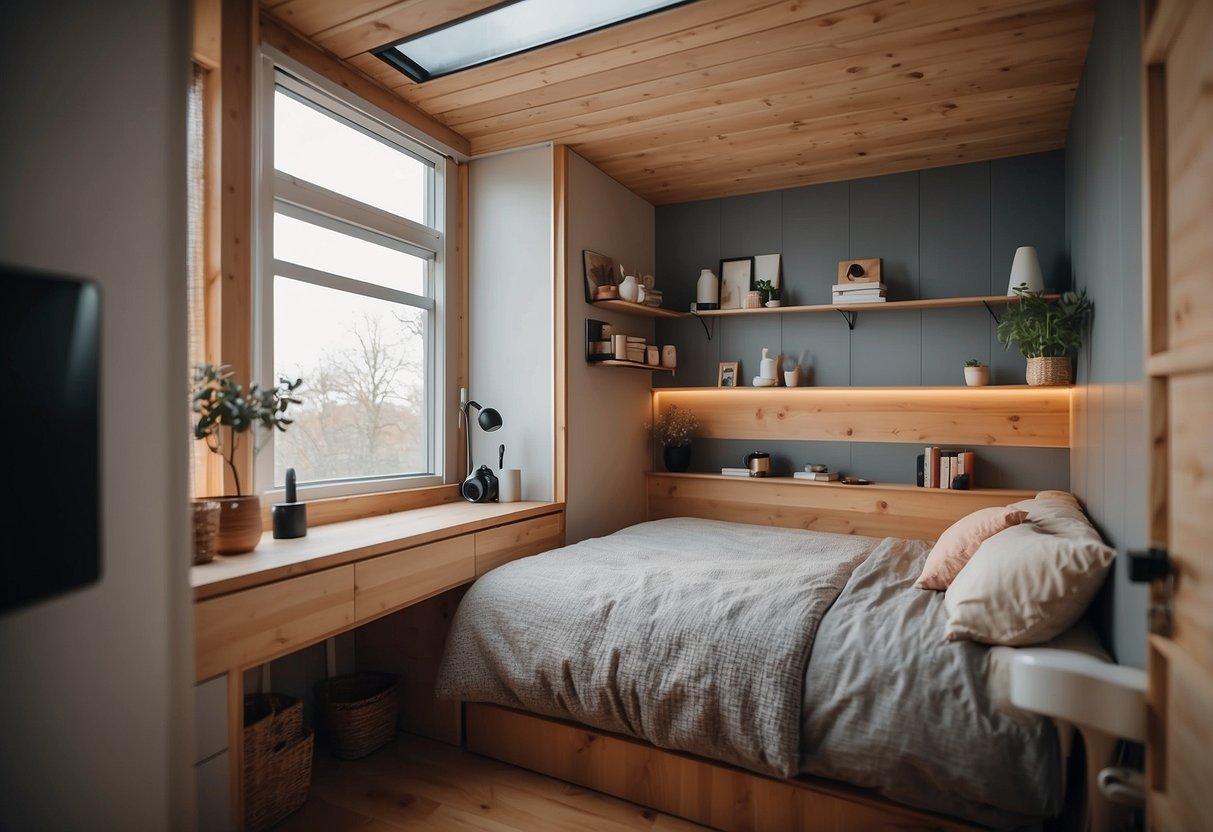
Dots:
pixel 225 410
pixel 1041 328
pixel 675 427
pixel 973 362
pixel 768 291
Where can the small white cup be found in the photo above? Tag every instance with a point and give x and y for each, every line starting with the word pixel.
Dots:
pixel 509 485
pixel 791 378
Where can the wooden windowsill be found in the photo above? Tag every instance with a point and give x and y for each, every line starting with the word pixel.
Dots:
pixel 339 543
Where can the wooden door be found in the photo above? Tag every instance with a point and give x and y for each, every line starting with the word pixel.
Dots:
pixel 1177 104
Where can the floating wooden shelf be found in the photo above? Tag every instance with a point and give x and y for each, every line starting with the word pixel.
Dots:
pixel 635 365
pixel 640 309
pixel 1008 415
pixel 930 303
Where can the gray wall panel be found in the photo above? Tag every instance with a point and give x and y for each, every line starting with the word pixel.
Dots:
pixel 1103 198
pixel 696 227
pixel 816 235
pixel 886 349
pixel 955 230
pixel 751 224
pixel 821 344
pixel 742 339
pixel 950 337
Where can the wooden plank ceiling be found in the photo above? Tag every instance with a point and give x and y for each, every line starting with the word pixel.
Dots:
pixel 723 97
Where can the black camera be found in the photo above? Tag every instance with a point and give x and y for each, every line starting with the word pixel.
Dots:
pixel 480 487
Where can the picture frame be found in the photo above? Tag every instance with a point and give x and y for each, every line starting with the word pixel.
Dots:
pixel 599 271
pixel 766 267
pixel 736 273
pixel 726 376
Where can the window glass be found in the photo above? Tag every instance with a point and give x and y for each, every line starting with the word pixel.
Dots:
pixel 364 363
pixel 317 247
pixel 330 152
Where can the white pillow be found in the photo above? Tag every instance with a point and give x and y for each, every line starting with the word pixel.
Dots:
pixel 1030 582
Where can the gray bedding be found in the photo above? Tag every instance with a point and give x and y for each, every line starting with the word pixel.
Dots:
pixel 692 634
pixel 740 643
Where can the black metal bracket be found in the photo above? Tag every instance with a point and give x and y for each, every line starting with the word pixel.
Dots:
pixel 849 316
pixel 705 326
pixel 990 309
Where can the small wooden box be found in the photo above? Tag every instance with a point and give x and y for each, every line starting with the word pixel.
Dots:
pixel 870 271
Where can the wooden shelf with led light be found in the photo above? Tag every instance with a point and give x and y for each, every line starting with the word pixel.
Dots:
pixel 1004 415
pixel 629 308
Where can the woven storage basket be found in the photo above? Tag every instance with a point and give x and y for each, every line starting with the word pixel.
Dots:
pixel 360 711
pixel 206 529
pixel 277 759
pixel 1049 370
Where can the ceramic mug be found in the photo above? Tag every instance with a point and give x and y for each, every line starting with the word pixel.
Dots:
pixel 509 485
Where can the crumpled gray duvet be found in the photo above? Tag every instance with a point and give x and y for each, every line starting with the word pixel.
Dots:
pixel 696 635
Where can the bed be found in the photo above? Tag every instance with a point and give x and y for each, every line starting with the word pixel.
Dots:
pixel 789 653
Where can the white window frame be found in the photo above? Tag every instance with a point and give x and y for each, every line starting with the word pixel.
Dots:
pixel 280 192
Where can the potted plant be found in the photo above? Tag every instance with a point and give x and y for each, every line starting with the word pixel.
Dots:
pixel 976 373
pixel 770 293
pixel 674 429
pixel 1046 332
pixel 225 412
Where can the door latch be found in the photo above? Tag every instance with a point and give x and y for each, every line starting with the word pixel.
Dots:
pixel 1155 565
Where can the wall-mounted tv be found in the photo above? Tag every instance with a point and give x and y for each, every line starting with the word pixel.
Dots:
pixel 50 527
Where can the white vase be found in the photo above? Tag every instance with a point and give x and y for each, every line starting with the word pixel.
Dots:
pixel 707 290
pixel 629 289
pixel 977 376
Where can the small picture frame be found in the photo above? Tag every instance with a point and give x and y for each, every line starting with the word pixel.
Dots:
pixel 726 376
pixel 735 276
pixel 599 271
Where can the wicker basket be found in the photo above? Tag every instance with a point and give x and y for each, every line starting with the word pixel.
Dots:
pixel 277 759
pixel 360 711
pixel 1049 370
pixel 206 529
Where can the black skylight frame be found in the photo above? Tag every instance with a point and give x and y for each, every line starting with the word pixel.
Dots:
pixel 391 55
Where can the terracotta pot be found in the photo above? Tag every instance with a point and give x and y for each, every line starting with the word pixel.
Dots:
pixel 1049 370
pixel 239 524
pixel 977 376
pixel 677 457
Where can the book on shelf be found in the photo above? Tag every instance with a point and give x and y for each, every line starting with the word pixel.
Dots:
pixel 812 476
pixel 859 288
pixel 946 468
pixel 848 300
pixel 735 472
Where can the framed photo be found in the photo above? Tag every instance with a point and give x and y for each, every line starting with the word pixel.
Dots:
pixel 735 276
pixel 727 376
pixel 599 271
pixel 766 267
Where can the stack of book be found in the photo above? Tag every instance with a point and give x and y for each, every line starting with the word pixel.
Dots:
pixel 947 468
pixel 814 476
pixel 652 297
pixel 735 472
pixel 635 352
pixel 859 293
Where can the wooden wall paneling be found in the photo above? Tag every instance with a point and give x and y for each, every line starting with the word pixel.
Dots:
pixel 354 507
pixel 560 318
pixel 287 42
pixel 235 746
pixel 236 72
pixel 1004 415
pixel 263 623
pixel 206 32
pixel 393 22
pixel 873 510
pixel 389 582
pixel 518 540
pixel 410 643
pixel 706 792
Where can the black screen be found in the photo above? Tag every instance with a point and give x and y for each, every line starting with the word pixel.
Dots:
pixel 49 512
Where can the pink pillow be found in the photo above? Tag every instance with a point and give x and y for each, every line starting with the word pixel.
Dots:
pixel 956 545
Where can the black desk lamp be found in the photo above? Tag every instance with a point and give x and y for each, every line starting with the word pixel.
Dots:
pixel 489 420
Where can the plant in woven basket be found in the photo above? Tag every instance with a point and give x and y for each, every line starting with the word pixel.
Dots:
pixel 1044 329
pixel 225 411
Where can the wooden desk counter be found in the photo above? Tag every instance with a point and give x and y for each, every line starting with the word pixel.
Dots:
pixel 352 540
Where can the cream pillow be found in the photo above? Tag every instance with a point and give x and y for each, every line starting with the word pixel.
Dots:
pixel 1030 582
pixel 956 545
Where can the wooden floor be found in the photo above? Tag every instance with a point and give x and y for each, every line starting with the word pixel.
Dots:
pixel 417 784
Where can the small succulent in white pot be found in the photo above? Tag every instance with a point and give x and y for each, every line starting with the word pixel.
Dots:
pixel 976 373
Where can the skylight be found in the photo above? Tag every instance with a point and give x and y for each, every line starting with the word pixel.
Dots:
pixel 508 29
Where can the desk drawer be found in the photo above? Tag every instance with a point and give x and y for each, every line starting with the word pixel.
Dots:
pixel 518 540
pixel 389 582
pixel 253 626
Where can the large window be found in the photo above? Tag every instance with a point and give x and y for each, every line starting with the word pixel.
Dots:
pixel 351 294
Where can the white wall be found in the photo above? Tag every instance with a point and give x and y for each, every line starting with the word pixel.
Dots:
pixel 609 448
pixel 510 311
pixel 94 709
